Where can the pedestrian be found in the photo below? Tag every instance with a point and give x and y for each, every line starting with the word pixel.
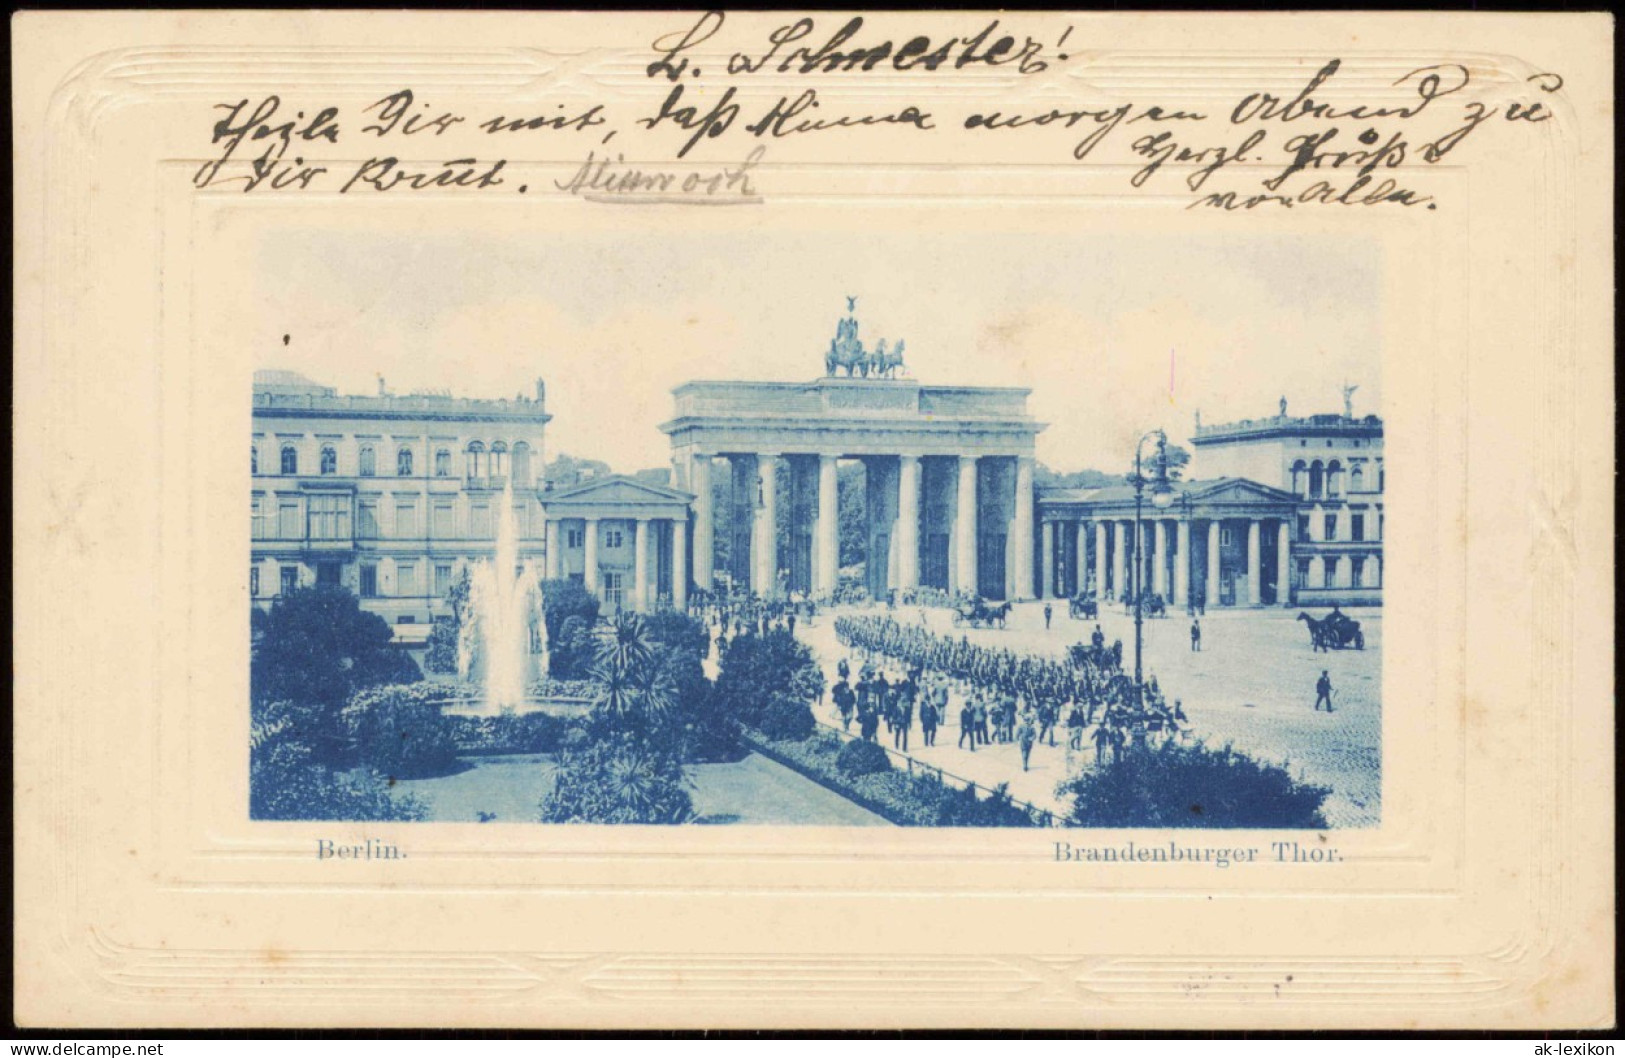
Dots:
pixel 843 669
pixel 1048 613
pixel 905 719
pixel 928 721
pixel 791 621
pixel 1196 636
pixel 844 702
pixel 981 721
pixel 967 725
pixel 1074 728
pixel 1103 742
pixel 1323 691
pixel 1026 735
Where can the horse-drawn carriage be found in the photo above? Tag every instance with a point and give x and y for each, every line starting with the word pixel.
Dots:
pixel 1151 604
pixel 979 614
pixel 1084 608
pixel 1335 631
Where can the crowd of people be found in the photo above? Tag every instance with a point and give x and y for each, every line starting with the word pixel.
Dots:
pixel 1003 697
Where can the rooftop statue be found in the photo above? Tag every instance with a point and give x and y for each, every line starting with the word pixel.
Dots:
pixel 846 350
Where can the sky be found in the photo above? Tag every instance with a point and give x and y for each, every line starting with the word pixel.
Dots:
pixel 1116 330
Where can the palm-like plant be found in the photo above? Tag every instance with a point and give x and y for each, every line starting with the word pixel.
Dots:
pixel 629 680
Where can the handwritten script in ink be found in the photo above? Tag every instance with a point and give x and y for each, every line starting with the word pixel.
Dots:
pixel 715 109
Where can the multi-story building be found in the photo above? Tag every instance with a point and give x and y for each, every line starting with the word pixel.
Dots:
pixel 388 495
pixel 1333 465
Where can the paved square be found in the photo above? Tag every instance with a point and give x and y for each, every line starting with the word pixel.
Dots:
pixel 1252 685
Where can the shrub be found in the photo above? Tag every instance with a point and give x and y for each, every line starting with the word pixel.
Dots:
pixel 400 731
pixel 622 780
pixel 862 758
pixel 285 782
pixel 529 733
pixel 787 720
pixel 1176 785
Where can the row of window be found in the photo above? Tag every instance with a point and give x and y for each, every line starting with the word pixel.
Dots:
pixel 1317 479
pixel 328 573
pixel 328 517
pixel 1357 527
pixel 478 463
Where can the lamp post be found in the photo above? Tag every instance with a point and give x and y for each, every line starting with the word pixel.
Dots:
pixel 1162 496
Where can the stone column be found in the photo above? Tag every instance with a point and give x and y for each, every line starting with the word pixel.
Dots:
pixel 1047 588
pixel 1159 572
pixel 1343 568
pixel 1023 528
pixel 704 520
pixel 679 564
pixel 642 590
pixel 965 527
pixel 1373 571
pixel 1213 562
pixel 1100 560
pixel 1144 555
pixel 764 540
pixel 1345 523
pixel 908 523
pixel 1182 565
pixel 589 574
pixel 1283 563
pixel 826 542
pixel 1255 566
pixel 1317 524
pixel 555 545
pixel 1120 559
pixel 1080 579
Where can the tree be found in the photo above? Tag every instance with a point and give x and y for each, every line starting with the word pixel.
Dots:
pixel 1045 478
pixel 1179 458
pixel 316 648
pixel 852 528
pixel 563 599
pixel 565 470
pixel 447 634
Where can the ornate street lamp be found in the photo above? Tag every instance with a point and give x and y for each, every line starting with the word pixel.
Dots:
pixel 1162 497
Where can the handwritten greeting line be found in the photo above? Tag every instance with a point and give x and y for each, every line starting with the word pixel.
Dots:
pixel 1327 144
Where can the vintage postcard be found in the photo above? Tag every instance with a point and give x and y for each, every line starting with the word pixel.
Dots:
pixel 810 520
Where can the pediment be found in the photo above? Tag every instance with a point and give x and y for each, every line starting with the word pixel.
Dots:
pixel 617 490
pixel 1241 490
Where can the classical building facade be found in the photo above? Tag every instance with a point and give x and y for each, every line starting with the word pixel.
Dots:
pixel 625 539
pixel 948 477
pixel 391 495
pixel 1292 515
pixel 387 495
pixel 1332 466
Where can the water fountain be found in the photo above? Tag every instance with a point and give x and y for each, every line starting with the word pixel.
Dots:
pixel 504 611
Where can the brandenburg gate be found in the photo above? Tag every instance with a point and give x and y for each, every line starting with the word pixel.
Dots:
pixel 948 474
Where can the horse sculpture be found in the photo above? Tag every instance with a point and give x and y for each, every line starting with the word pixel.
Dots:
pixel 846 350
pixel 1334 632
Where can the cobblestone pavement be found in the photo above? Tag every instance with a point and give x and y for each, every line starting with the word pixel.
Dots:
pixel 1252 685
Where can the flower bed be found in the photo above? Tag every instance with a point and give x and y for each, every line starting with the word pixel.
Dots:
pixel 903 799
